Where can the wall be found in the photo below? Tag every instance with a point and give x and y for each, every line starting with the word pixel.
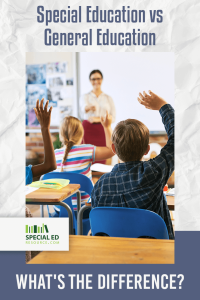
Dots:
pixel 127 74
pixel 34 140
pixel 47 57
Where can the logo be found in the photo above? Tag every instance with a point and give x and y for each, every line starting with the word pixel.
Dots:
pixel 36 229
pixel 40 235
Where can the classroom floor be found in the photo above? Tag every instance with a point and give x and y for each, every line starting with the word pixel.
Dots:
pixel 35 210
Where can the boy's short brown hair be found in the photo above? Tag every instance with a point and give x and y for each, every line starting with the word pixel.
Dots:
pixel 131 139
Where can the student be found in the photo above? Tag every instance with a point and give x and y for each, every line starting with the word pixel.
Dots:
pixel 135 183
pixel 76 157
pixel 49 164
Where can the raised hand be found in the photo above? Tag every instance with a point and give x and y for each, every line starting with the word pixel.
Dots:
pixel 107 120
pixel 44 117
pixel 42 114
pixel 151 101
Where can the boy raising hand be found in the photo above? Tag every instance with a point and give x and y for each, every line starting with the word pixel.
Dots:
pixel 135 183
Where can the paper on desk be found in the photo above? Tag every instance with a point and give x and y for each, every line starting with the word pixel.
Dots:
pixel 54 183
pixel 171 192
pixel 102 168
pixel 29 189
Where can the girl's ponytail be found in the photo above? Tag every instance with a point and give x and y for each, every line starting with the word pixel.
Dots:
pixel 69 145
pixel 71 133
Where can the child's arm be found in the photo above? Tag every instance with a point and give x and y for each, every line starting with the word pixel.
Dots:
pixel 151 101
pixel 44 118
pixel 164 162
pixel 102 153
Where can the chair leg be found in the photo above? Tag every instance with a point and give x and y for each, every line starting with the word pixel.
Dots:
pixel 80 219
pixel 78 195
pixel 41 211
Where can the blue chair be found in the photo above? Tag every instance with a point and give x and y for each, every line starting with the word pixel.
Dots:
pixel 86 186
pixel 127 222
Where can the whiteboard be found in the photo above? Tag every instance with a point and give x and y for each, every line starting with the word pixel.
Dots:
pixel 125 75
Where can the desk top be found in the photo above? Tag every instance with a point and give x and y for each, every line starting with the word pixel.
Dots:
pixel 51 195
pixel 97 174
pixel 110 250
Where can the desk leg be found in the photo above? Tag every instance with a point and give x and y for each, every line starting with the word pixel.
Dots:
pixel 69 215
pixel 41 211
pixel 80 219
pixel 78 195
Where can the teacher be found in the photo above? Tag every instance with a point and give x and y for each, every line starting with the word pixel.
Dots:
pixel 94 105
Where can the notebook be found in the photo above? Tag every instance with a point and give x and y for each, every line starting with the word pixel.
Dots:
pixel 101 168
pixel 29 189
pixel 56 184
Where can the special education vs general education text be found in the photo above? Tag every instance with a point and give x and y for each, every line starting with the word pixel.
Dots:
pixel 97 15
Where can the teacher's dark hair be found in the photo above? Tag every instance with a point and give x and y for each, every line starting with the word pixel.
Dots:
pixel 95 71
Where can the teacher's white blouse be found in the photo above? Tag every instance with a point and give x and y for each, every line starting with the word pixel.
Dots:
pixel 102 103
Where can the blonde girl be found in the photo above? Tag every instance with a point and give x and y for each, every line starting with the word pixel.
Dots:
pixel 76 157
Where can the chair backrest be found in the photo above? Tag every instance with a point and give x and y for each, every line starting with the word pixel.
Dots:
pixel 85 183
pixel 127 222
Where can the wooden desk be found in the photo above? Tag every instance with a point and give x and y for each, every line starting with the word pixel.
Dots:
pixel 109 250
pixel 44 196
pixel 171 202
pixel 97 174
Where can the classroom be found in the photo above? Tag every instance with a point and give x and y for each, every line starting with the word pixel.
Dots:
pixel 103 154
